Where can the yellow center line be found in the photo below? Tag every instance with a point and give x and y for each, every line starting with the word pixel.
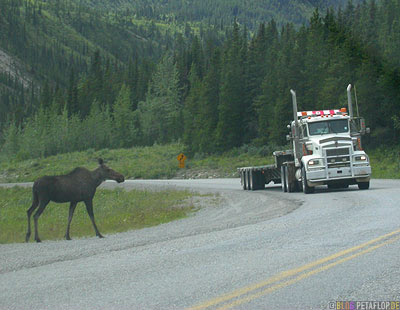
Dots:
pixel 288 273
pixel 304 275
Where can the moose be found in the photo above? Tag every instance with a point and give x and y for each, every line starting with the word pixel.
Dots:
pixel 76 186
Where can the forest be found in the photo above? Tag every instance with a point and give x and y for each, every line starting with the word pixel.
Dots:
pixel 103 79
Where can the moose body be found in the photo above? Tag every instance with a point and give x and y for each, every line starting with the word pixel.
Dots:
pixel 79 185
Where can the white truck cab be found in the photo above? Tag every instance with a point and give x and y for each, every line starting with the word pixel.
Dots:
pixel 331 151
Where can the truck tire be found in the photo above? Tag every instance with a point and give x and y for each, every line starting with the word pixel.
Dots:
pixel 253 180
pixel 363 185
pixel 243 179
pixel 247 179
pixel 283 179
pixel 260 180
pixel 306 189
pixel 290 185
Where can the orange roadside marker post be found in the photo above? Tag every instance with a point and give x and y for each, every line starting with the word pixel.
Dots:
pixel 181 158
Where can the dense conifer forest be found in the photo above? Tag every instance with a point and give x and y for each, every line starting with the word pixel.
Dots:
pixel 108 74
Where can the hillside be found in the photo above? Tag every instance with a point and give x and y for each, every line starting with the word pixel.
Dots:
pixel 86 74
pixel 47 40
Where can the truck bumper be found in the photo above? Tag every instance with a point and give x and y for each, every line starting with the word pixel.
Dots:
pixel 347 175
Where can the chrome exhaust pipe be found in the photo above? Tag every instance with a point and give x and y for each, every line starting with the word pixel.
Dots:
pixel 349 101
pixel 294 100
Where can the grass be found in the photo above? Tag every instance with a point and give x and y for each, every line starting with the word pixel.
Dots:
pixel 136 163
pixel 155 162
pixel 160 162
pixel 115 211
pixel 385 163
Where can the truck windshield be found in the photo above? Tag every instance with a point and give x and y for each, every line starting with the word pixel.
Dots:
pixel 325 127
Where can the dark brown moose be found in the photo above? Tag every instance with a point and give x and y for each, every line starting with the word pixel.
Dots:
pixel 79 185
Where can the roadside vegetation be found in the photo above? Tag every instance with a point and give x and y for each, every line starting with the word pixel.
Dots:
pixel 115 211
pixel 155 162
pixel 160 162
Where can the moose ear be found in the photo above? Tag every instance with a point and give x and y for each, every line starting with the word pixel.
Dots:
pixel 101 162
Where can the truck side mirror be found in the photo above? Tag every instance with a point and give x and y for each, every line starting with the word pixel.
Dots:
pixel 368 130
pixel 288 137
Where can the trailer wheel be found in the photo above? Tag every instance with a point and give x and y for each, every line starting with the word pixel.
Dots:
pixel 283 179
pixel 243 179
pixel 253 181
pixel 247 178
pixel 363 185
pixel 248 182
pixel 260 180
pixel 306 189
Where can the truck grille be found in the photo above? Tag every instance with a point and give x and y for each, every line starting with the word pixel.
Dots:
pixel 338 162
pixel 338 152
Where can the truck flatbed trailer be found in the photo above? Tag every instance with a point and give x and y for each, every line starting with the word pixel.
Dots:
pixel 256 177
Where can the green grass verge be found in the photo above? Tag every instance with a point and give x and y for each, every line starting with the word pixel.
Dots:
pixel 156 162
pixel 385 163
pixel 159 162
pixel 115 211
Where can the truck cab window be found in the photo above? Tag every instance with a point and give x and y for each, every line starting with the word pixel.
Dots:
pixel 318 128
pixel 325 127
pixel 339 126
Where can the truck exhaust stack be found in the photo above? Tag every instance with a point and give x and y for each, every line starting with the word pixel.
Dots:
pixel 349 101
pixel 294 100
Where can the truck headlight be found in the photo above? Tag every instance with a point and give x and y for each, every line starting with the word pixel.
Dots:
pixel 315 163
pixel 361 158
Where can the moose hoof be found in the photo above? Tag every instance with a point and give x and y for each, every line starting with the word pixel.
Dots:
pixel 100 236
pixel 27 237
pixel 68 238
pixel 38 240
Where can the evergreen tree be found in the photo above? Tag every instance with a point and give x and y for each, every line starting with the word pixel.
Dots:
pixel 124 132
pixel 232 108
pixel 160 114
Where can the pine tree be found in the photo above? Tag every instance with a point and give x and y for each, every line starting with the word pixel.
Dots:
pixel 160 114
pixel 208 114
pixel 124 132
pixel 232 108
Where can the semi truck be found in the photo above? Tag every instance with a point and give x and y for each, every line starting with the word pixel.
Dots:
pixel 325 149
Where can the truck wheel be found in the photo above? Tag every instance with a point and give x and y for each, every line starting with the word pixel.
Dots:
pixel 306 189
pixel 363 185
pixel 289 183
pixel 243 179
pixel 283 179
pixel 253 183
pixel 260 180
pixel 247 178
pixel 249 181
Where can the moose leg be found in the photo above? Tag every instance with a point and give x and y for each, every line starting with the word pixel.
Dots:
pixel 72 207
pixel 42 205
pixel 34 205
pixel 89 208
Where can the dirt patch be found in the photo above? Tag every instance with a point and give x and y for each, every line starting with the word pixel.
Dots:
pixel 204 174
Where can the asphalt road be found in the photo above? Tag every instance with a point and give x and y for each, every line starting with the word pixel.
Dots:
pixel 249 250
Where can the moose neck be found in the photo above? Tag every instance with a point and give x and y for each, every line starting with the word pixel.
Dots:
pixel 97 177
